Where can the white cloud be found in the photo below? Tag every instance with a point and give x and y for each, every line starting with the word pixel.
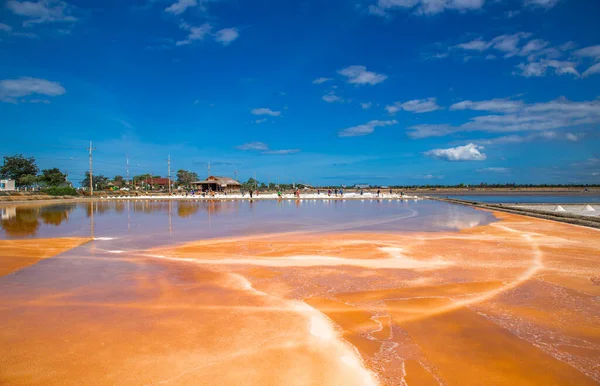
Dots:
pixel 542 3
pixel 572 137
pixel 469 152
pixel 534 45
pixel 44 101
pixel 321 80
pixel 494 170
pixel 226 35
pixel 360 75
pixel 42 11
pixel 263 148
pixel 425 131
pixel 263 120
pixel 595 69
pixel 281 152
pixel 424 7
pixel 590 52
pixel 364 129
pixel 496 105
pixel 366 105
pixel 16 88
pixel 180 6
pixel 416 106
pixel 331 97
pixel 253 146
pixel 475 45
pixel 5 27
pixel 265 111
pixel 542 67
pixel 195 33
pixel 517 116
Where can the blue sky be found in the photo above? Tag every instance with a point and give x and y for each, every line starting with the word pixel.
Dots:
pixel 324 92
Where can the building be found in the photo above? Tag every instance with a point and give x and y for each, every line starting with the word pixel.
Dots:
pixel 157 183
pixel 217 184
pixel 7 185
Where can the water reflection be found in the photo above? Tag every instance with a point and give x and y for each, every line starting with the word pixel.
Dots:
pixel 155 221
pixel 25 221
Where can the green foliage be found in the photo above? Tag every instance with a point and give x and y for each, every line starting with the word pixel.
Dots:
pixel 17 166
pixel 27 180
pixel 53 177
pixel 185 178
pixel 61 191
pixel 100 182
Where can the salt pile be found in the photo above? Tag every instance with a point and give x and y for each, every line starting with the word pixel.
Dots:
pixel 588 208
pixel 559 209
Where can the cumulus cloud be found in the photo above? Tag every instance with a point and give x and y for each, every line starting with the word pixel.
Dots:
pixel 359 75
pixel 10 89
pixel 543 67
pixel 539 58
pixel 321 80
pixel 331 97
pixel 469 152
pixel 266 111
pixel 517 116
pixel 416 106
pixel 226 35
pixel 364 129
pixel 180 6
pixel 42 11
pixel 424 7
pixel 195 33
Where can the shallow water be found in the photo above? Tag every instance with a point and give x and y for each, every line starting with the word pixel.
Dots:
pixel 531 199
pixel 309 292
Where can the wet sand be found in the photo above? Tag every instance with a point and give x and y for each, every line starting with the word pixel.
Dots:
pixel 511 302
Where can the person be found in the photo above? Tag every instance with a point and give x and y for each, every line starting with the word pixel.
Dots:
pixel 250 193
pixel 341 192
pixel 335 192
pixel 257 192
pixel 361 192
pixel 318 192
pixel 390 191
pixel 329 192
pixel 378 192
pixel 279 193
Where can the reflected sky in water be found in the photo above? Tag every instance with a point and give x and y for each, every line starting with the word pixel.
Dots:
pixel 154 222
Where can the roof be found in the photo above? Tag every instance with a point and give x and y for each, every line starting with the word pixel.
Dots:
pixel 157 181
pixel 223 181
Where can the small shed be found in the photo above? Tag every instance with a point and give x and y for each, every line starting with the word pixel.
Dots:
pixel 7 185
pixel 217 184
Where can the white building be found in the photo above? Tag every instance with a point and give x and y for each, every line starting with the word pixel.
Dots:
pixel 7 185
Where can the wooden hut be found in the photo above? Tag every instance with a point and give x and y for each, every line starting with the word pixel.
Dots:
pixel 217 184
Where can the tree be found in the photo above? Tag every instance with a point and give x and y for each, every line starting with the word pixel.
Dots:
pixel 18 166
pixel 100 181
pixel 27 180
pixel 118 180
pixel 185 178
pixel 53 177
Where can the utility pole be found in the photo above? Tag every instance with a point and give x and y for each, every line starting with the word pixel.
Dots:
pixel 169 164
pixel 127 178
pixel 208 170
pixel 91 174
pixel 255 182
pixel 235 174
